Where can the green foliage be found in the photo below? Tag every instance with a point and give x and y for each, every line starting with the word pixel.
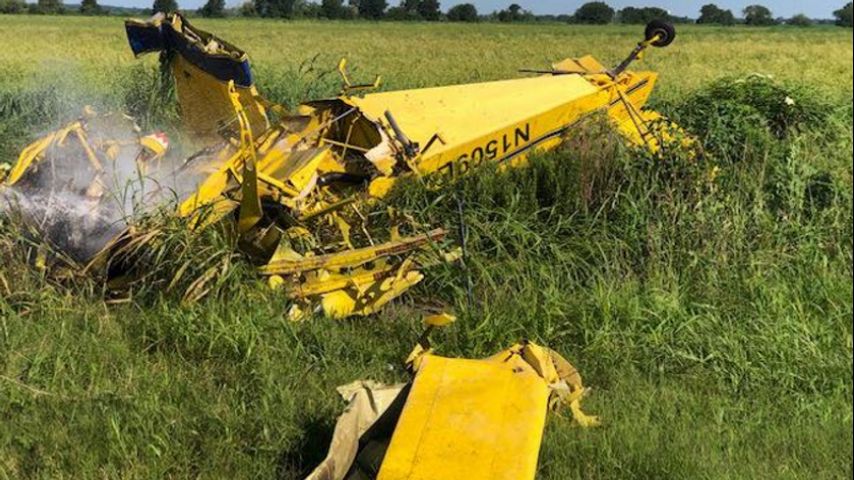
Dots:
pixel 712 14
pixel 732 115
pixel 333 9
pixel 164 6
pixel 429 10
pixel 596 13
pixel 758 15
pixel 800 20
pixel 514 13
pixel 90 7
pixel 407 11
pixel 276 8
pixel 213 9
pixel 415 10
pixel 13 6
pixel 371 9
pixel 844 16
pixel 49 7
pixel 644 15
pixel 247 9
pixel 464 12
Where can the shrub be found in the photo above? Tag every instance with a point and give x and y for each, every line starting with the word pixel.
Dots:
pixel 464 12
pixel 596 13
pixel 800 20
pixel 731 114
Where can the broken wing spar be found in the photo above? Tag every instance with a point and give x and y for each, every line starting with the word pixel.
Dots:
pixel 298 182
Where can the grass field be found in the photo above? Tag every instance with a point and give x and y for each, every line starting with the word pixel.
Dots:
pixel 710 312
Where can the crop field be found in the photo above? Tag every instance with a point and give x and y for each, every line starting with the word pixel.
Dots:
pixel 707 300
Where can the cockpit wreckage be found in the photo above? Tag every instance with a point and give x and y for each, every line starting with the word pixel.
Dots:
pixel 296 183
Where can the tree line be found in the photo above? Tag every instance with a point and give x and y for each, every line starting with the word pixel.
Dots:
pixel 600 13
pixel 597 13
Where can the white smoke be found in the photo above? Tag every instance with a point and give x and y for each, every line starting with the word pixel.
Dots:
pixel 78 209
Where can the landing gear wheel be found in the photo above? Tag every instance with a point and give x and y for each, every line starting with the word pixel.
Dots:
pixel 664 30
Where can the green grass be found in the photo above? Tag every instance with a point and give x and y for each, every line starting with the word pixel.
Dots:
pixel 712 317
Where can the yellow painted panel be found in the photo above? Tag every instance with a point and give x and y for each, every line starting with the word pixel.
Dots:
pixel 205 102
pixel 469 419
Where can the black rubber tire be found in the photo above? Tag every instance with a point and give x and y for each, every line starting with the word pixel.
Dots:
pixel 665 31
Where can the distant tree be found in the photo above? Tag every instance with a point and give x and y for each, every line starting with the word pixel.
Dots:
pixel 90 7
pixel 680 19
pixel 371 9
pixel 800 20
pixel 514 13
pixel 510 14
pixel 430 10
pixel 274 8
pixel 464 12
pixel 844 15
pixel 712 14
pixel 247 9
pixel 401 14
pixel 213 8
pixel 642 15
pixel 303 9
pixel 407 11
pixel 758 15
pixel 333 9
pixel 165 6
pixel 13 6
pixel 49 7
pixel 596 13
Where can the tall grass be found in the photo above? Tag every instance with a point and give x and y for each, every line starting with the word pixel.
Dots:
pixel 706 298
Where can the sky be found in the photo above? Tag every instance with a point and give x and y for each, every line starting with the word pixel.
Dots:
pixel 686 8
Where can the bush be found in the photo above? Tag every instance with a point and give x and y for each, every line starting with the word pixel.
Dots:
pixel 595 13
pixel 464 12
pixel 800 20
pixel 733 114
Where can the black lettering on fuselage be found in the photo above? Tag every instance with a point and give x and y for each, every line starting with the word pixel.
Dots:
pixel 492 150
pixel 523 136
pixel 506 144
pixel 496 148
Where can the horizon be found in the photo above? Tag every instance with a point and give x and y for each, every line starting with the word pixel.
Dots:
pixel 819 9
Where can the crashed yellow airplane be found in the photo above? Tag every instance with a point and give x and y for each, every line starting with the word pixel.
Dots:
pixel 297 183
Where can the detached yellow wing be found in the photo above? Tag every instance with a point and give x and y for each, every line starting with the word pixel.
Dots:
pixel 471 419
